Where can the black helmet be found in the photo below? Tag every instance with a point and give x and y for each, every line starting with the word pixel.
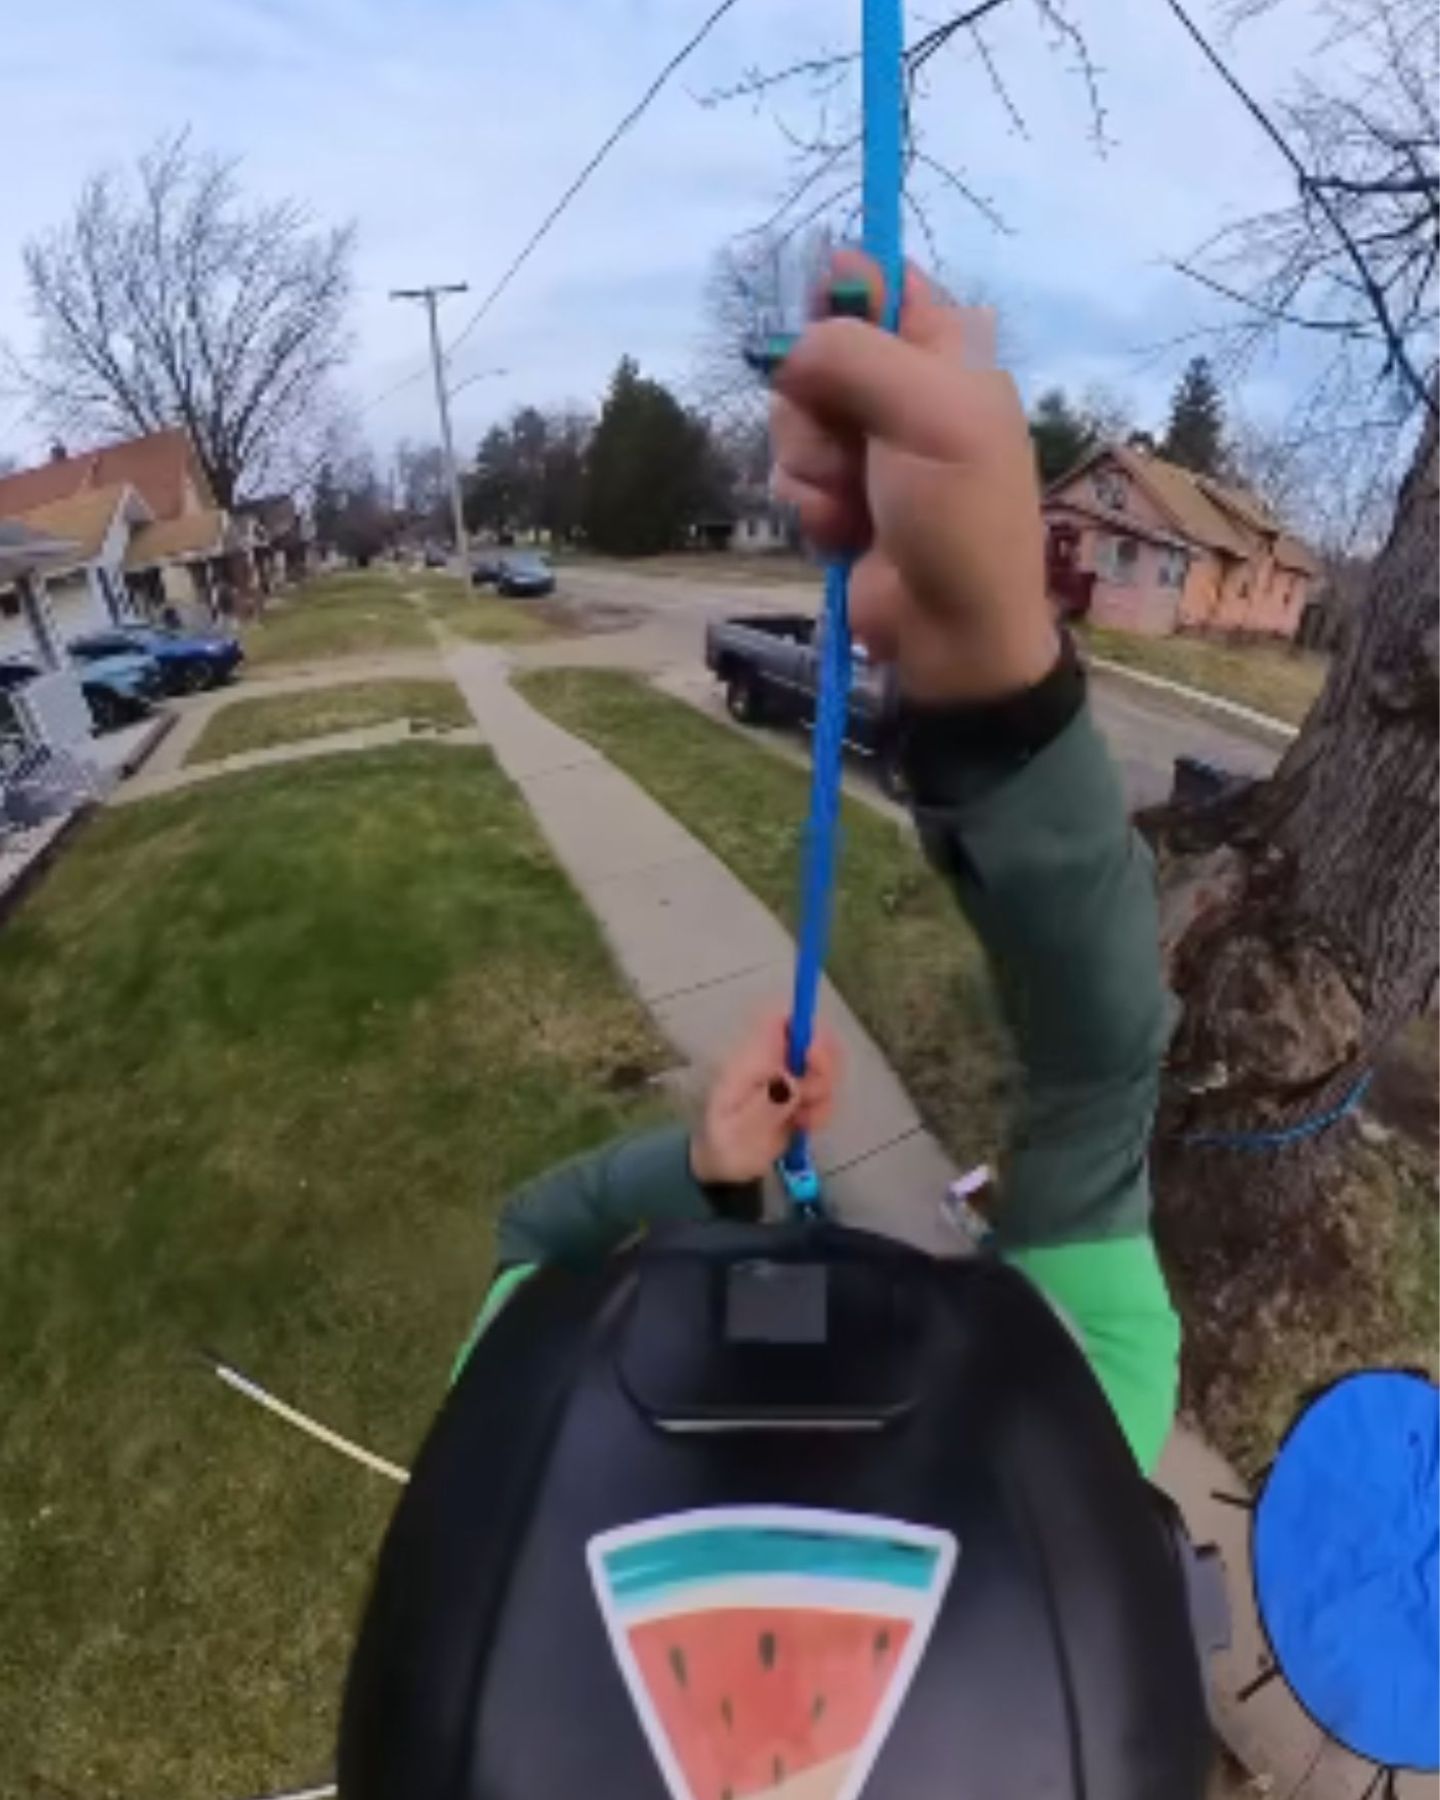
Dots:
pixel 777 1514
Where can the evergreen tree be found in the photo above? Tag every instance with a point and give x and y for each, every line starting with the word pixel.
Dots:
pixel 1195 437
pixel 1061 434
pixel 649 469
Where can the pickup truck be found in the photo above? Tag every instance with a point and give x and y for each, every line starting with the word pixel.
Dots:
pixel 769 663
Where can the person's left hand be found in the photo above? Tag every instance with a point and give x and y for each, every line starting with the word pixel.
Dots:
pixel 754 1103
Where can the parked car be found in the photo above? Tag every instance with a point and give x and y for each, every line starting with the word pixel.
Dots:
pixel 486 570
pixel 770 665
pixel 436 559
pixel 118 689
pixel 187 663
pixel 524 577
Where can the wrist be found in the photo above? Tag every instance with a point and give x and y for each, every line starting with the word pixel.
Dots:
pixel 702 1162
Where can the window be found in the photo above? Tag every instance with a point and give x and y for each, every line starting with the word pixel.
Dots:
pixel 1111 488
pixel 1174 566
pixel 9 603
pixel 1117 559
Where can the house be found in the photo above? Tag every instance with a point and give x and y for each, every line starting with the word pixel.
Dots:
pixel 1139 543
pixel 761 524
pixel 85 587
pixel 45 726
pixel 283 547
pixel 181 552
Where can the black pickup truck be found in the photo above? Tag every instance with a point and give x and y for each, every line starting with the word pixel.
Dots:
pixel 769 663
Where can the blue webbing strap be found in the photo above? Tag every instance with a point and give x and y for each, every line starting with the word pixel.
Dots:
pixel 883 102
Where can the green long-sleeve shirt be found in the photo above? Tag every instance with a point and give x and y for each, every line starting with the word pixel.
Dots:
pixel 1060 892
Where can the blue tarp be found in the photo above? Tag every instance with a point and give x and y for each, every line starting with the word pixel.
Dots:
pixel 1347 1558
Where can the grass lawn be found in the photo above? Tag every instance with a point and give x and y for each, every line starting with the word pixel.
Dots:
pixel 472 613
pixel 272 1052
pixel 1268 677
pixel 360 612
pixel 900 953
pixel 258 723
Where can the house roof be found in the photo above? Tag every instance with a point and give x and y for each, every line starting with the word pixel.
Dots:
pixel 197 534
pixel 1205 511
pixel 22 549
pixel 1180 494
pixel 1295 553
pixel 83 519
pixel 158 466
pixel 278 513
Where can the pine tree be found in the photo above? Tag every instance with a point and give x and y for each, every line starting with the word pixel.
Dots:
pixel 648 469
pixel 1060 433
pixel 1195 437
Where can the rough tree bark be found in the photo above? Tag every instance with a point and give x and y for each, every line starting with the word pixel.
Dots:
pixel 1299 919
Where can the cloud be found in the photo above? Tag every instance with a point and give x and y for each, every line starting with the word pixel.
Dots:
pixel 447 127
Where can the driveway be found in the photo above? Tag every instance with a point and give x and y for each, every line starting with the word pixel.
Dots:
pixel 1145 731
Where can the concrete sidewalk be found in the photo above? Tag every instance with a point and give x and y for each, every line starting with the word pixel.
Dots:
pixel 704 955
pixel 702 952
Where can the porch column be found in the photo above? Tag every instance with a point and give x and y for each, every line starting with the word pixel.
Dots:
pixel 41 620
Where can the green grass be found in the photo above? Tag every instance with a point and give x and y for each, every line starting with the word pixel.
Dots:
pixel 1271 678
pixel 471 613
pixel 272 1051
pixel 900 953
pixel 360 612
pixel 265 720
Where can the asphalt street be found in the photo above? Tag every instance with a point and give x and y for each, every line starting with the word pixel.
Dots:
pixel 662 635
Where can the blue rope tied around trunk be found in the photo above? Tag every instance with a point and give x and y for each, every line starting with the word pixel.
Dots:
pixel 883 103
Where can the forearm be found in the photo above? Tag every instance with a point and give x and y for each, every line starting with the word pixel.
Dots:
pixel 586 1207
pixel 1060 892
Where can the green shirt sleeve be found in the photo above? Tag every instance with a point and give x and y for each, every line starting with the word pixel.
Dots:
pixel 1061 893
pixel 589 1206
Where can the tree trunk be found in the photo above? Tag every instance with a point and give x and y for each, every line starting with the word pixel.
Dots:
pixel 1299 920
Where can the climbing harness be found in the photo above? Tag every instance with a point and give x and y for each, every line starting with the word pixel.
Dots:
pixel 883 108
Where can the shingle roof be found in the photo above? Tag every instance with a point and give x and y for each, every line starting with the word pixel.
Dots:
pixel 156 466
pixel 81 519
pixel 171 540
pixel 1181 495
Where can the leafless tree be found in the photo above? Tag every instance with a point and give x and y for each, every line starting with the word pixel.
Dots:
pixel 169 299
pixel 1350 262
pixel 1301 912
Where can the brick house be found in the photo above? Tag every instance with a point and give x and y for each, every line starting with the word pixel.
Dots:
pixel 1139 543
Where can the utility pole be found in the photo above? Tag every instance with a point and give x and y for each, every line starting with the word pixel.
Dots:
pixel 431 297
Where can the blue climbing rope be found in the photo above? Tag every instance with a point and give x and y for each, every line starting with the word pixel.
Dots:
pixel 883 106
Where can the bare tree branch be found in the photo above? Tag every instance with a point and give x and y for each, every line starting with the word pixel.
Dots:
pixel 168 300
pixel 1397 354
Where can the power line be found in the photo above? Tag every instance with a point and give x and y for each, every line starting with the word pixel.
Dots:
pixel 547 223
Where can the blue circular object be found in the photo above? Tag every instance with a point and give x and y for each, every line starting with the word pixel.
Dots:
pixel 1347 1559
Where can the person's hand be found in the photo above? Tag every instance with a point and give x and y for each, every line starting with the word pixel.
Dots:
pixel 911 451
pixel 753 1104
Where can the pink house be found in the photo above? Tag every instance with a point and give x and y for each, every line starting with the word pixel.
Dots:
pixel 1139 543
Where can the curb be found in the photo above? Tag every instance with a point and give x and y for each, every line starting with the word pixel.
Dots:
pixel 1230 711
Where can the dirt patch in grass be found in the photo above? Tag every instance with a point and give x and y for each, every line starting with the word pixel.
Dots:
pixel 1272 678
pixel 900 952
pixel 262 721
pixel 355 613
pixel 272 1050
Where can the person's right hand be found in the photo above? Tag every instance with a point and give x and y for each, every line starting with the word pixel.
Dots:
pixel 912 452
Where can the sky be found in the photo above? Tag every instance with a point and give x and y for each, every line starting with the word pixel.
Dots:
pixel 446 128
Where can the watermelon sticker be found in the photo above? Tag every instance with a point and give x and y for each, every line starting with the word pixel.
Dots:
pixel 768 1649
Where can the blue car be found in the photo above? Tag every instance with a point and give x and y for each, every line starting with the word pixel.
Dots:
pixel 187 664
pixel 118 689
